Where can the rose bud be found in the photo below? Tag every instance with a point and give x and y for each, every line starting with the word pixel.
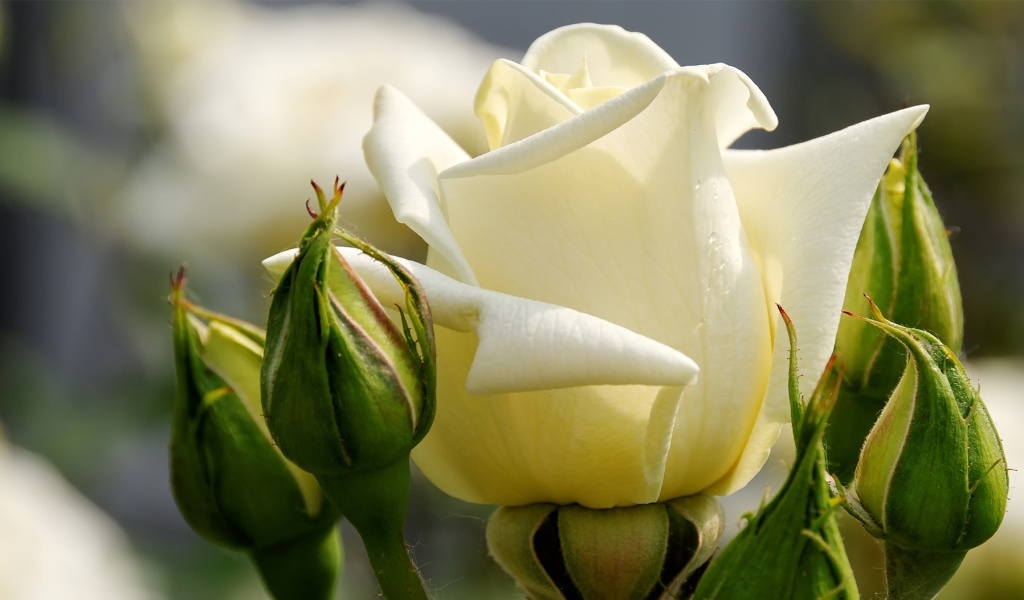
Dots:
pixel 645 551
pixel 792 547
pixel 346 393
pixel 903 261
pixel 931 481
pixel 344 389
pixel 231 483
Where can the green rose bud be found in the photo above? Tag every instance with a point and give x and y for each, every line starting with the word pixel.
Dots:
pixel 792 547
pixel 649 551
pixel 344 390
pixel 346 393
pixel 231 483
pixel 932 479
pixel 903 261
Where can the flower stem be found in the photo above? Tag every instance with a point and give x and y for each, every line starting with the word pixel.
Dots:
pixel 398 577
pixel 375 503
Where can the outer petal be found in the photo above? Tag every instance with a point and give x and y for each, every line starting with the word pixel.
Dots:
pixel 624 212
pixel 601 445
pixel 615 57
pixel 802 208
pixel 405 151
pixel 618 437
pixel 237 359
pixel 732 120
pixel 514 102
pixel 524 344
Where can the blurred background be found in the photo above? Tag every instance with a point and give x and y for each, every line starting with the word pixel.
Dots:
pixel 135 136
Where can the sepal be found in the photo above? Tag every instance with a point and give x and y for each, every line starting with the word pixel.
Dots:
pixel 649 551
pixel 791 548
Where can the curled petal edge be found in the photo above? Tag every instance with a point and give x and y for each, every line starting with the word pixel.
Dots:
pixel 559 51
pixel 525 345
pixel 405 150
pixel 743 107
pixel 805 226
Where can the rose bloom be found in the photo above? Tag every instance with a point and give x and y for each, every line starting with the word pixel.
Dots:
pixel 254 100
pixel 607 247
pixel 56 543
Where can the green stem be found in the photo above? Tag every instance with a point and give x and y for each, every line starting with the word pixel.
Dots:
pixel 398 577
pixel 835 550
pixel 912 575
pixel 375 503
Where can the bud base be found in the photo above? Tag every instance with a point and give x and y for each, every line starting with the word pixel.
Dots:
pixel 912 575
pixel 375 503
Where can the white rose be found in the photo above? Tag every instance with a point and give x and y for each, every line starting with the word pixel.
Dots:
pixel 256 101
pixel 607 236
pixel 57 544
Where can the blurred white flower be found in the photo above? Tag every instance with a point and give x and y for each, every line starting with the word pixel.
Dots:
pixel 257 101
pixel 55 544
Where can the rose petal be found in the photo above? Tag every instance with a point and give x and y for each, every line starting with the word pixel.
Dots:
pixel 405 151
pixel 514 103
pixel 528 345
pixel 624 212
pixel 613 441
pixel 736 100
pixel 615 57
pixel 599 446
pixel 236 359
pixel 620 58
pixel 499 447
pixel 803 207
pixel 741 107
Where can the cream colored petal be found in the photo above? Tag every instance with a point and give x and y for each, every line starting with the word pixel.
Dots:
pixel 237 360
pixel 733 100
pixel 587 445
pixel 618 58
pixel 601 445
pixel 742 105
pixel 57 544
pixel 405 151
pixel 514 103
pixel 614 56
pixel 587 98
pixel 625 213
pixel 526 345
pixel 580 89
pixel 802 208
